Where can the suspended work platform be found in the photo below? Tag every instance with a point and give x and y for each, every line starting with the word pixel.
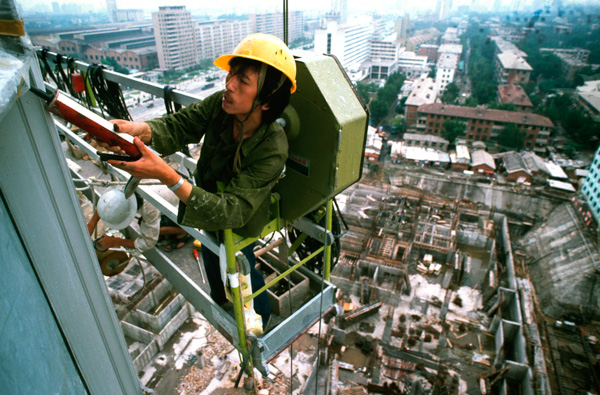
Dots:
pixel 319 298
pixel 325 109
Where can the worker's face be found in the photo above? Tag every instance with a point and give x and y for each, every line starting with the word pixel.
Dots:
pixel 240 91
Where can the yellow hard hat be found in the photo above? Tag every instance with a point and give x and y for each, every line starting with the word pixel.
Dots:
pixel 264 48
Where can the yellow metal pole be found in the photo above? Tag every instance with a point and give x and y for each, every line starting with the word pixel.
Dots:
pixel 282 275
pixel 327 256
pixel 235 292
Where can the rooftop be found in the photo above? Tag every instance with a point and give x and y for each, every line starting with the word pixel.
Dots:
pixel 424 137
pixel 481 157
pixel 506 46
pixel 447 61
pixel 423 92
pixel 451 48
pixel 513 61
pixel 514 94
pixel 521 118
pixel 589 86
pixel 592 98
pixel 571 60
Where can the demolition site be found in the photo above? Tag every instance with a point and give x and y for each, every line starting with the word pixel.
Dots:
pixel 434 294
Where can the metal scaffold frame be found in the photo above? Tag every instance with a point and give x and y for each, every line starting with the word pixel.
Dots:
pixel 276 340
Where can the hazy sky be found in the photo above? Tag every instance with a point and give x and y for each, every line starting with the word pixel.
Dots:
pixel 245 6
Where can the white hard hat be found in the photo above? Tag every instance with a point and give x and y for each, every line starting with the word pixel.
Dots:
pixel 116 211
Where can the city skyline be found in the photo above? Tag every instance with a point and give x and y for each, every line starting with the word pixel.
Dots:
pixel 239 6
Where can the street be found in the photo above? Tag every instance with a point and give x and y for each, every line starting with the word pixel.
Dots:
pixel 156 107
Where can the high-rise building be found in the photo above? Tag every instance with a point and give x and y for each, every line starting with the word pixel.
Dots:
pixel 129 15
pixel 175 34
pixel 111 8
pixel 591 187
pixel 218 37
pixel 442 9
pixel 272 23
pixel 350 42
pixel 384 57
pixel 340 9
pixel 55 7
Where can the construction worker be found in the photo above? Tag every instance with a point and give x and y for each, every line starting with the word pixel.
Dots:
pixel 151 223
pixel 243 154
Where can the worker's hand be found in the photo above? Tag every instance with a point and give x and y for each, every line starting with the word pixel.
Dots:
pixel 149 165
pixel 135 129
pixel 106 242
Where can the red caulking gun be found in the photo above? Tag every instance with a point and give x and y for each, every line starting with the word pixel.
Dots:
pixel 98 127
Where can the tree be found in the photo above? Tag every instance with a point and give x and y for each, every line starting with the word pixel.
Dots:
pixel 546 65
pixel 502 106
pixel 397 123
pixel 581 128
pixel 471 101
pixel 379 109
pixel 387 94
pixel 453 129
pixel 484 91
pixel 432 73
pixel 554 107
pixel 113 63
pixel 450 93
pixel 511 137
pixel 366 90
pixel 400 105
pixel 571 149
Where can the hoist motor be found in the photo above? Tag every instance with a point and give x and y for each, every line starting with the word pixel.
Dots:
pixel 326 124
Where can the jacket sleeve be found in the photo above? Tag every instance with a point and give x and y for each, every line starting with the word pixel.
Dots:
pixel 187 126
pixel 149 228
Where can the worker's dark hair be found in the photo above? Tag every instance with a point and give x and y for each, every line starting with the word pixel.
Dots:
pixel 276 99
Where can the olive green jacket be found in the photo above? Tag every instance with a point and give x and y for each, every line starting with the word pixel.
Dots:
pixel 244 203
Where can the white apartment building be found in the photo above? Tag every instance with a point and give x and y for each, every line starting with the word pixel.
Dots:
pixel 384 57
pixel 412 65
pixel 444 71
pixel 591 187
pixel 579 54
pixel 111 7
pixel 218 37
pixel 175 34
pixel 450 49
pixel 450 36
pixel 442 9
pixel 129 15
pixel 272 23
pixel 349 42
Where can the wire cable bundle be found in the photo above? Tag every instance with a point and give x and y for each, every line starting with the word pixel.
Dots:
pixel 108 94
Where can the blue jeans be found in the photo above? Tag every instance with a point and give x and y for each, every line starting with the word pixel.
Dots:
pixel 217 289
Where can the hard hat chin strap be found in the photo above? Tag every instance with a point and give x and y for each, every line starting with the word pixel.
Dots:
pixel 262 74
pixel 237 159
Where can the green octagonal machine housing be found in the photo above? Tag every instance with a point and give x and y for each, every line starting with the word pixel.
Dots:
pixel 326 124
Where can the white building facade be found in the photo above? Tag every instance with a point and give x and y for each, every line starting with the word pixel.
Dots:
pixel 591 187
pixel 175 34
pixel 444 71
pixel 218 37
pixel 350 42
pixel 272 23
